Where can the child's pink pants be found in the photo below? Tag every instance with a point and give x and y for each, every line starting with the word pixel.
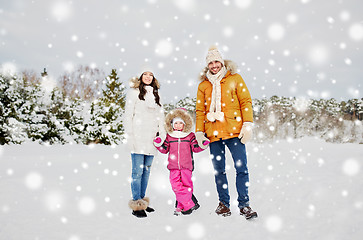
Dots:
pixel 182 184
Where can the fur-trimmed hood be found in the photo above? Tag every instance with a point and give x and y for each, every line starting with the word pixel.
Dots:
pixel 230 66
pixel 183 114
pixel 135 82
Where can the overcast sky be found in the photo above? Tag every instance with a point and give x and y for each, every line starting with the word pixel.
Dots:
pixel 302 48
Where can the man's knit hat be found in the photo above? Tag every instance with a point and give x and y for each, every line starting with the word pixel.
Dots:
pixel 214 55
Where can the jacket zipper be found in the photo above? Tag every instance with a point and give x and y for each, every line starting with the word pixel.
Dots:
pixel 179 153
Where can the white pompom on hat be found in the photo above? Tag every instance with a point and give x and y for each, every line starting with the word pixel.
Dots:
pixel 214 55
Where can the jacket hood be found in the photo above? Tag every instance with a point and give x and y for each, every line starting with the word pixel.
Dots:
pixel 183 114
pixel 135 83
pixel 230 66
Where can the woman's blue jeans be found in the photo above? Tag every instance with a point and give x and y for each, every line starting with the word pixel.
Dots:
pixel 141 165
pixel 218 155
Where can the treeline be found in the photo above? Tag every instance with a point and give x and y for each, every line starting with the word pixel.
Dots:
pixel 63 114
pixel 91 112
pixel 290 118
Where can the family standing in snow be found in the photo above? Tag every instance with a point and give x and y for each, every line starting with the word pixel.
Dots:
pixel 223 118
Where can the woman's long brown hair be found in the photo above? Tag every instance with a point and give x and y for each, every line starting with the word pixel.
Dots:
pixel 143 90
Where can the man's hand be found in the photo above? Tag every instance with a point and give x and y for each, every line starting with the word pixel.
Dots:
pixel 201 139
pixel 246 132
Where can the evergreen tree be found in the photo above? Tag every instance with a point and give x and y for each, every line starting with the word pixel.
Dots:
pixel 57 115
pixel 76 119
pixel 105 124
pixel 187 103
pixel 94 124
pixel 354 107
pixel 40 110
pixel 33 111
pixel 360 109
pixel 114 93
pixel 11 130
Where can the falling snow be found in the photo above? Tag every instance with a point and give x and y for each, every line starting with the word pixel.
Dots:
pixel 276 32
pixel 164 48
pixel 351 167
pixel 299 187
pixel 86 205
pixel 61 11
pixel 356 32
pixel 296 186
pixel 173 36
pixel 273 223
pixel 33 181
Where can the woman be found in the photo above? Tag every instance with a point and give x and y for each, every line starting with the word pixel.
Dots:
pixel 144 117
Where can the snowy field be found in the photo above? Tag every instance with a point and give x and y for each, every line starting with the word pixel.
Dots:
pixel 302 188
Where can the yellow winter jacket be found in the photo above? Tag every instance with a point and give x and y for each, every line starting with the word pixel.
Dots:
pixel 236 104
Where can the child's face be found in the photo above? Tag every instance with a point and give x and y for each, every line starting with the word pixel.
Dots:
pixel 178 126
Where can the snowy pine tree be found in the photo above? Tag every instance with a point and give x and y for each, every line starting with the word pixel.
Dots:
pixel 75 122
pixel 105 124
pixel 114 93
pixel 39 111
pixel 33 110
pixel 187 103
pixel 56 116
pixel 12 130
pixel 354 109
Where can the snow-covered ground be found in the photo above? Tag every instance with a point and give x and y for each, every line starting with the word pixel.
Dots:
pixel 304 188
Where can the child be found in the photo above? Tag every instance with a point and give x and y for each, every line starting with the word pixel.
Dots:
pixel 180 143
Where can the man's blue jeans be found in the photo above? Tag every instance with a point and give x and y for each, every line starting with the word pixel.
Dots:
pixel 218 155
pixel 141 165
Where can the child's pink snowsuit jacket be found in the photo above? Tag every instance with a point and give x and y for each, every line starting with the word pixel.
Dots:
pixel 180 151
pixel 179 144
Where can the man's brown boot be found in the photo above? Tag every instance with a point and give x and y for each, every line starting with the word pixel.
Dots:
pixel 223 210
pixel 248 212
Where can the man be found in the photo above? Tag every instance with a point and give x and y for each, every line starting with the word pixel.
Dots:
pixel 224 115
